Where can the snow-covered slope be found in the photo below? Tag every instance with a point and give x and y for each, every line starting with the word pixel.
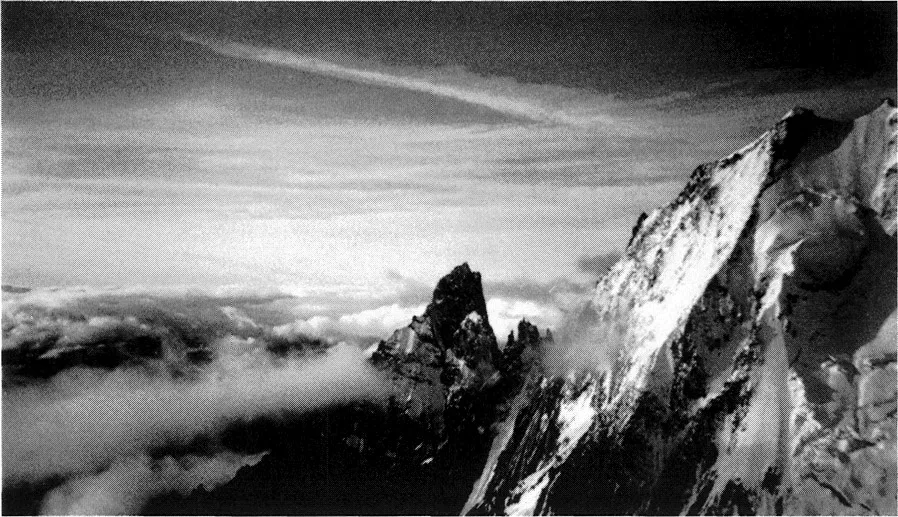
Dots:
pixel 741 357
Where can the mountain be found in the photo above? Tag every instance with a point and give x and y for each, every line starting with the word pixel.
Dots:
pixel 740 358
pixel 419 453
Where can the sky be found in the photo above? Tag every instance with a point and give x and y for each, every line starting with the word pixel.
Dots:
pixel 352 154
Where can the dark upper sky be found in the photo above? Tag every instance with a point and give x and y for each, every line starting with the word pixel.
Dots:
pixel 629 49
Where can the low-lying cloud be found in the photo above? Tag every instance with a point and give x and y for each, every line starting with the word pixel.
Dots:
pixel 83 419
pixel 506 313
pixel 148 418
pixel 101 392
pixel 378 321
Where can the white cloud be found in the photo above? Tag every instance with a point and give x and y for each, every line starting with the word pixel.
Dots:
pixel 505 314
pixel 380 321
pixel 386 318
pixel 82 420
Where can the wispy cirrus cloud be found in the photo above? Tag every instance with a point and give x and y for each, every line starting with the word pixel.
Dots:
pixel 516 108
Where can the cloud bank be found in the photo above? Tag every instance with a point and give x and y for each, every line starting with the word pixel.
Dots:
pixel 84 419
pixel 149 419
pixel 378 321
pixel 101 391
pixel 506 313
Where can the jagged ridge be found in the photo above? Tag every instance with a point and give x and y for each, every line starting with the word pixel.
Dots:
pixel 419 453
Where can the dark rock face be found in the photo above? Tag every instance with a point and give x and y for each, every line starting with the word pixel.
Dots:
pixel 520 354
pixel 445 361
pixel 455 321
pixel 457 295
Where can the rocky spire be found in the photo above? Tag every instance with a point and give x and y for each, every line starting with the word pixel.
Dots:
pixel 451 344
pixel 515 353
pixel 456 296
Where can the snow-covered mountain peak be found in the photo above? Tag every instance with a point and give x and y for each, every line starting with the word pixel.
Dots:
pixel 728 348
